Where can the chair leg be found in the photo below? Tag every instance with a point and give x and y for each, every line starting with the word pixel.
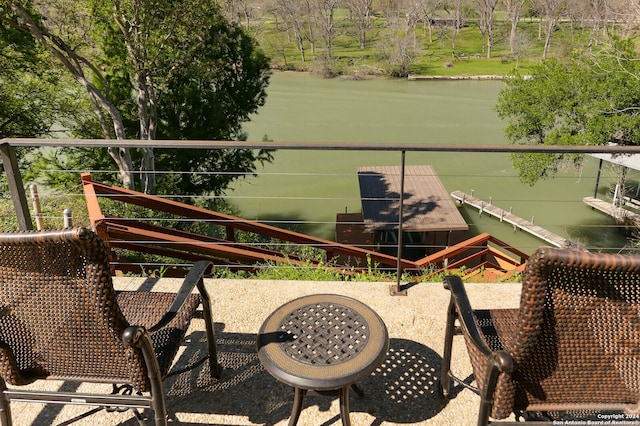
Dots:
pixel 159 410
pixel 445 372
pixel 486 405
pixel 139 337
pixel 5 409
pixel 214 367
pixel 500 361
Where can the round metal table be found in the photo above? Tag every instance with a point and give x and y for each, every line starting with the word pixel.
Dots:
pixel 323 343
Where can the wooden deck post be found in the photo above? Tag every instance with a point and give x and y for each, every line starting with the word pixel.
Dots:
pixel 14 179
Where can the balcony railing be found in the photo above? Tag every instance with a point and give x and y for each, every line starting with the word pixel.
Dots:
pixel 137 234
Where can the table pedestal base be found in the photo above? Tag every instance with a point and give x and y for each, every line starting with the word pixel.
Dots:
pixel 344 403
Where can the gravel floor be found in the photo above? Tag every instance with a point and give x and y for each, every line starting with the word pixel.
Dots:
pixel 404 390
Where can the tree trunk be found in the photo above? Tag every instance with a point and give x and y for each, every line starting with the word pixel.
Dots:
pixel 539 28
pixel 514 10
pixel 550 25
pixel 330 24
pixel 146 99
pixel 300 41
pixel 147 124
pixel 513 35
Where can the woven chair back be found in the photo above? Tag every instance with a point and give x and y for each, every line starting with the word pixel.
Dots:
pixel 578 338
pixel 58 312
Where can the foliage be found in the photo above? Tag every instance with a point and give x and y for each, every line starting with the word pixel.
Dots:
pixel 210 98
pixel 284 271
pixel 36 100
pixel 158 69
pixel 52 206
pixel 590 100
pixel 31 102
pixel 206 95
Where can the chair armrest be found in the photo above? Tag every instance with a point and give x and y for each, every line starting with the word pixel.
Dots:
pixel 194 277
pixel 140 338
pixel 501 360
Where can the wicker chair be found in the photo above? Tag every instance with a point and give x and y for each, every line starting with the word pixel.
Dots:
pixel 572 347
pixel 60 318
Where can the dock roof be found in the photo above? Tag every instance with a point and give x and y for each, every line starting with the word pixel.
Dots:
pixel 631 161
pixel 427 204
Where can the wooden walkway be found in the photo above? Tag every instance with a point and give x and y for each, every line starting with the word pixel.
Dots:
pixel 516 221
pixel 620 214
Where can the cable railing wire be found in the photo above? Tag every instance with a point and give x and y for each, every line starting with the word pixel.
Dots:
pixel 503 202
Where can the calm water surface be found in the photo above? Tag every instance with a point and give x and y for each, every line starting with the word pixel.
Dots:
pixel 308 188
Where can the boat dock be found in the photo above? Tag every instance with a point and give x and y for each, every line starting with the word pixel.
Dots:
pixel 516 221
pixel 454 77
pixel 619 214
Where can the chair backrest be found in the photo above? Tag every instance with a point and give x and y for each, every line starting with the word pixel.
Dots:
pixel 578 338
pixel 58 312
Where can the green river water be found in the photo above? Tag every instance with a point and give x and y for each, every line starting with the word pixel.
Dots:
pixel 308 188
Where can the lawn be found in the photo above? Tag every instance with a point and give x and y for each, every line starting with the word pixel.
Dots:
pixel 433 55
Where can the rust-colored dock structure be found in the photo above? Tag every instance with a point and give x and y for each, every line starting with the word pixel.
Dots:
pixel 478 255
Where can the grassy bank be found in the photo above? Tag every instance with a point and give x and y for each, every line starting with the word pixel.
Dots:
pixel 441 52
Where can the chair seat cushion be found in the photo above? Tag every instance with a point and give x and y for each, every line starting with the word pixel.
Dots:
pixel 146 308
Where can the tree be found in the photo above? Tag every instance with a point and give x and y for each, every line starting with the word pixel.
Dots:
pixel 129 54
pixel 591 100
pixel 30 102
pixel 521 46
pixel 360 13
pixel 24 17
pixel 485 10
pixel 240 11
pixel 456 10
pixel 514 10
pixel 550 11
pixel 416 11
pixel 291 12
pixel 210 98
pixel 396 49
pixel 325 22
pixel 428 9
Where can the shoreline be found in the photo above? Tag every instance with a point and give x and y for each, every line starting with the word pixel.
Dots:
pixel 410 77
pixel 454 77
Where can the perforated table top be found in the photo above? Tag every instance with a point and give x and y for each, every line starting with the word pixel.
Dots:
pixel 322 342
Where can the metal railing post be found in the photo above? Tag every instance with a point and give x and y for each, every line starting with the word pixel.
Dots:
pixel 396 291
pixel 67 215
pixel 14 179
